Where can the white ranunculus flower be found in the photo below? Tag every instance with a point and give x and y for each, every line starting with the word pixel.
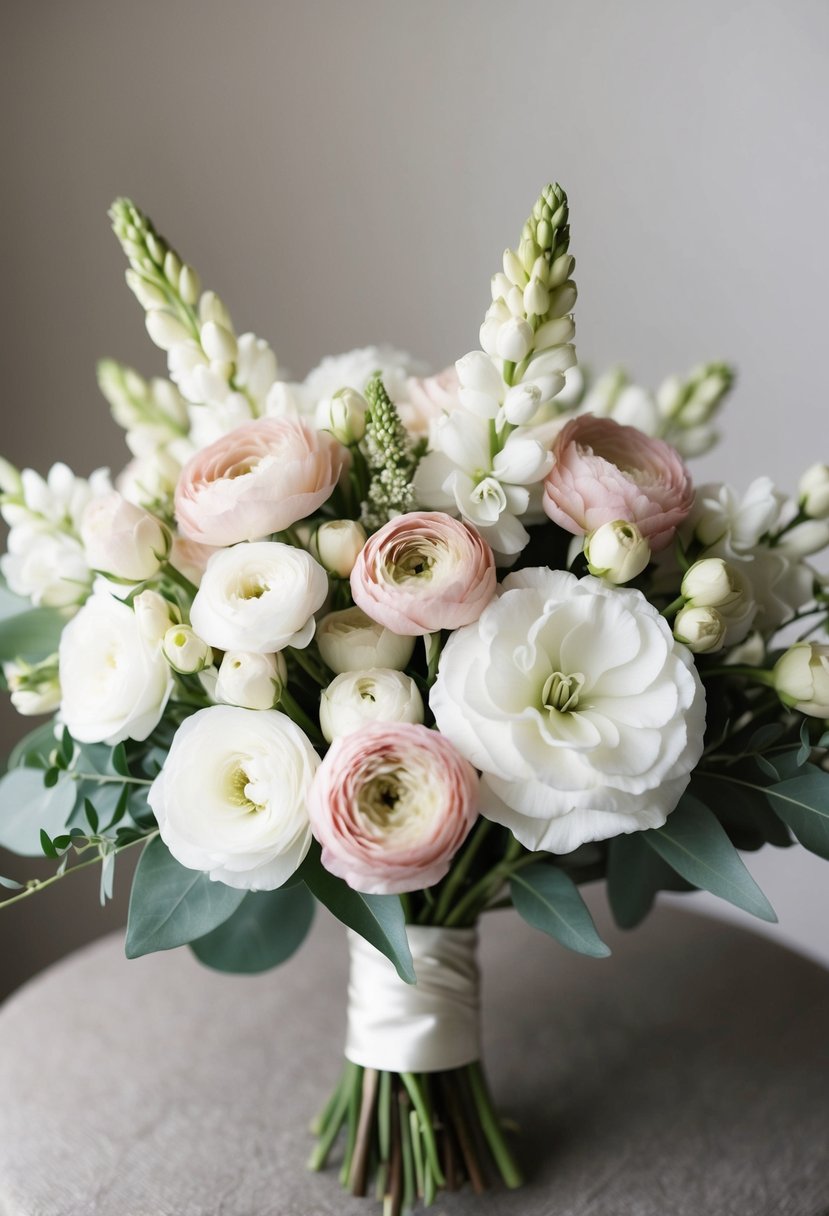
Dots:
pixel 230 799
pixel 259 597
pixel 356 698
pixel 254 681
pixel 584 715
pixel 115 681
pixel 351 641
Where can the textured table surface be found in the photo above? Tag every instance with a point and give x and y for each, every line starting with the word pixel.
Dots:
pixel 687 1075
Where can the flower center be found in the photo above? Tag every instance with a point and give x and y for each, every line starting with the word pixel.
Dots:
pixel 413 561
pixel 252 587
pixel 561 692
pixel 382 799
pixel 238 784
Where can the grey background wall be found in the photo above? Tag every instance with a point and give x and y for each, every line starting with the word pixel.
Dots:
pixel 349 173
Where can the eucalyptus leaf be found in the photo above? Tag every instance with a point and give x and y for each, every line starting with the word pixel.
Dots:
pixel 264 931
pixel 27 806
pixel 802 803
pixel 635 876
pixel 805 749
pixel 35 750
pixel 548 899
pixel 696 845
pixel 11 884
pixel 27 632
pixel 744 812
pixel 377 918
pixel 767 767
pixel 171 905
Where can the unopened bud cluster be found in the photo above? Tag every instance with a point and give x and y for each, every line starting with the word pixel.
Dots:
pixel 712 594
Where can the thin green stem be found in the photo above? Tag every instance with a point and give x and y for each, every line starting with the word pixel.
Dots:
pixel 38 884
pixel 309 667
pixel 175 576
pixel 103 779
pixel 759 675
pixel 490 1123
pixel 295 711
pixel 414 1091
pixel 483 889
pixel 320 1154
pixel 457 875
pixel 673 608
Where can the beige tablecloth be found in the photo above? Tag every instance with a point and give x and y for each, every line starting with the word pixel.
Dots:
pixel 688 1075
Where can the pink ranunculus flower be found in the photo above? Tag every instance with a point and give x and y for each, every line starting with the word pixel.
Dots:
pixel 259 478
pixel 422 572
pixel 604 472
pixel 391 804
pixel 425 400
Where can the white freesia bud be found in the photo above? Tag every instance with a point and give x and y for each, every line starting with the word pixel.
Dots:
pixel 515 339
pixel 563 299
pixel 710 583
pixel 165 329
pixel 123 540
pixel 154 615
pixel 211 308
pixel 172 266
pixel 536 298
pixel 337 544
pixel 522 403
pixel 185 651
pixel 701 629
pixel 515 301
pixel 253 681
pixel 344 415
pixel 617 551
pixel 351 641
pixel 513 269
pixel 147 294
pixel 218 343
pixel 356 698
pixel 804 539
pixel 189 285
pixel 813 491
pixel 555 332
pixel 499 285
pixel 34 687
pixel 801 678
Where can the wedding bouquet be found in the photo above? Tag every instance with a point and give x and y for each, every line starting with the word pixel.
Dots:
pixel 414 648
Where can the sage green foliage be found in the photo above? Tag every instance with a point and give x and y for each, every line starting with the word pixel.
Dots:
pixel 264 931
pixel 27 632
pixel 549 900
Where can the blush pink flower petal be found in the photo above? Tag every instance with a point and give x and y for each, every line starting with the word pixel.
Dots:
pixel 603 472
pixel 258 479
pixel 422 572
pixel 391 804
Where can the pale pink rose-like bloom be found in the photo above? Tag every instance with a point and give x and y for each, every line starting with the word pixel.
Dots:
pixel 121 539
pixel 422 572
pixel 190 558
pixel 603 472
pixel 426 399
pixel 391 804
pixel 260 478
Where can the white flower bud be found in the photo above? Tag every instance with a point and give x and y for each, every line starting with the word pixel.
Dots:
pixel 154 615
pixel 801 678
pixel 528 252
pixel 710 583
pixel 357 698
pixel 337 545
pixel 804 539
pixel 536 298
pixel 561 270
pixel 701 629
pixel 513 269
pixel 344 415
pixel 172 266
pixel 165 329
pixel 563 299
pixel 211 308
pixel 123 540
pixel 515 339
pixel 617 551
pixel 147 294
pixel 522 403
pixel 813 491
pixel 189 285
pixel 351 641
pixel 499 286
pixel 555 332
pixel 252 681
pixel 218 343
pixel 34 687
pixel 185 651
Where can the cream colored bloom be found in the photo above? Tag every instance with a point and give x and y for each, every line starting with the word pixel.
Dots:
pixel 356 698
pixel 351 641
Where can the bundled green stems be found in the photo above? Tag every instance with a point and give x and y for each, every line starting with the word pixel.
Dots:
pixel 410 1135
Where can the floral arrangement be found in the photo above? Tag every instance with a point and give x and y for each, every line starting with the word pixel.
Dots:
pixel 413 648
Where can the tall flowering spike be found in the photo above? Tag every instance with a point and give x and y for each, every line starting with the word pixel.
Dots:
pixel 208 362
pixel 152 412
pixel 533 298
pixel 391 459
pixel 689 404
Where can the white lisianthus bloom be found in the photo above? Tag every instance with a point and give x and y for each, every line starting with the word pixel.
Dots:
pixel 253 681
pixel 583 713
pixel 356 698
pixel 114 678
pixel 351 641
pixel 230 799
pixel 259 597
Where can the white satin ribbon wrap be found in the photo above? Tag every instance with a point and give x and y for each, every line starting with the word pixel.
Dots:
pixel 424 1027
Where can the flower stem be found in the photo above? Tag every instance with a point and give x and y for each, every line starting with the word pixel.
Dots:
pixel 673 608
pixel 498 1146
pixel 457 875
pixel 38 884
pixel 295 711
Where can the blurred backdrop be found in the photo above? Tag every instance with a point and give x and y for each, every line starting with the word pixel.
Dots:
pixel 349 173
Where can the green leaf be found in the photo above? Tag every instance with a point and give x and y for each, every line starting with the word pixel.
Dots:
pixel 26 806
pixel 767 767
pixel 46 845
pixel 27 632
pixel 803 804
pixel 377 918
pixel 35 749
pixel 264 931
pixel 635 876
pixel 119 760
pixel 11 884
pixel 744 813
pixel 171 905
pixel 546 898
pixel 696 845
pixel 805 749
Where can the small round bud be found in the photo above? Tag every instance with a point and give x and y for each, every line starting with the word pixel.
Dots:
pixel 536 298
pixel 801 678
pixel 155 615
pixel 337 545
pixel 189 285
pixel 701 629
pixel 357 698
pixel 252 681
pixel 218 343
pixel 617 552
pixel 185 651
pixel 165 329
pixel 710 583
pixel 522 403
pixel 344 415
pixel 813 491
